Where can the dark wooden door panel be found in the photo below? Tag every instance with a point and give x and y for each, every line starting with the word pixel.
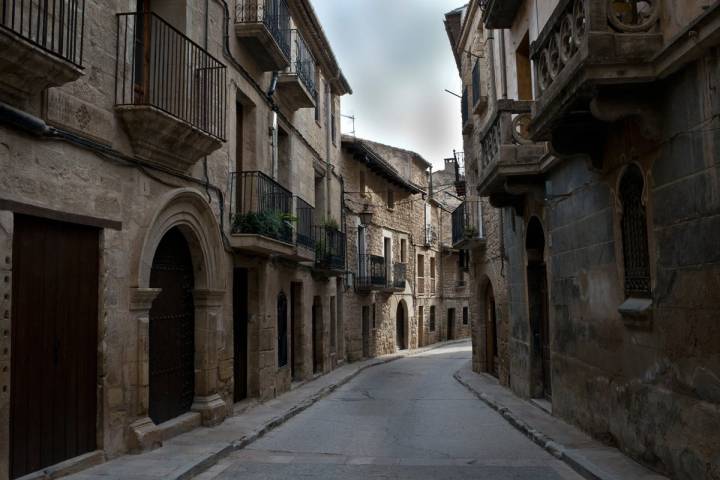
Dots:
pixel 240 326
pixel 172 330
pixel 54 343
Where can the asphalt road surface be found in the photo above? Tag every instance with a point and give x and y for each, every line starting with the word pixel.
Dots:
pixel 409 419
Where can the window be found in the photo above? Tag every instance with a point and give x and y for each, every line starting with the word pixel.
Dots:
pixel 390 199
pixel 421 314
pixel 476 82
pixel 403 250
pixel 373 324
pixel 282 330
pixel 633 223
pixel 524 75
pixel 432 318
pixel 333 119
pixel 464 106
pixel 432 274
pixel 421 266
pixel 466 316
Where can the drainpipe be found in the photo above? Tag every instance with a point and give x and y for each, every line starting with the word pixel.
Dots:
pixel 328 147
pixel 503 65
pixel 274 125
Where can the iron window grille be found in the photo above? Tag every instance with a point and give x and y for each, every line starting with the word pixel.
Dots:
pixel 636 256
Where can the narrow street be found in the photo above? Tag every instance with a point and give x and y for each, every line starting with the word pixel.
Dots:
pixel 409 419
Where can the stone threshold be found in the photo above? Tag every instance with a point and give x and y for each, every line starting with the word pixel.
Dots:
pixel 186 456
pixel 586 456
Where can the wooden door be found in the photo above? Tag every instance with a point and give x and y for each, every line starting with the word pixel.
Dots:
pixel 451 324
pixel 317 337
pixel 366 331
pixel 537 296
pixel 172 330
pixel 421 326
pixel 240 333
pixel 400 328
pixel 53 393
pixel 295 329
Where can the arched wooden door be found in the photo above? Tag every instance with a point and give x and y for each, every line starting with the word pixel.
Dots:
pixel 491 339
pixel 172 330
pixel 400 328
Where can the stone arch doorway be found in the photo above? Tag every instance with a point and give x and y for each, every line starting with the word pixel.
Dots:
pixel 401 327
pixel 184 224
pixel 540 360
pixel 172 330
pixel 491 333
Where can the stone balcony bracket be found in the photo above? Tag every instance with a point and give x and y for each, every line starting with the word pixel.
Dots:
pixel 26 70
pixel 164 139
pixel 584 46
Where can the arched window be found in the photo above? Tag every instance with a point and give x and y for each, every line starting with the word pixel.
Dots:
pixel 634 234
pixel 282 330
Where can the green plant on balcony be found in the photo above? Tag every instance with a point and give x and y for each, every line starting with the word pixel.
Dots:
pixel 331 224
pixel 277 225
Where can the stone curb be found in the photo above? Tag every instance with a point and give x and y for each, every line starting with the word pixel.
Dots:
pixel 572 458
pixel 212 458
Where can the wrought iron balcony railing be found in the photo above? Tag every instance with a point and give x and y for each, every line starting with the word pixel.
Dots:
pixel 55 26
pixel 260 206
pixel 467 225
pixel 274 14
pixel 303 63
pixel 372 273
pixel 158 66
pixel 329 248
pixel 399 276
pixel 305 215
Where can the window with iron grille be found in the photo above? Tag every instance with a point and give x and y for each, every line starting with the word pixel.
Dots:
pixel 634 234
pixel 466 316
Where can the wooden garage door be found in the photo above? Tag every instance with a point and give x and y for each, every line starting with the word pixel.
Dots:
pixel 54 343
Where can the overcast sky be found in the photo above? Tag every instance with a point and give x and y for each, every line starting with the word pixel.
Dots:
pixel 397 58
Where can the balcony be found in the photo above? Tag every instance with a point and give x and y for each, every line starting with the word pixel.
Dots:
pixel 329 250
pixel 372 274
pixel 41 46
pixel 499 14
pixel 399 278
pixel 467 226
pixel 305 217
pixel 261 215
pixel 586 49
pixel 509 157
pixel 297 84
pixel 263 27
pixel 169 92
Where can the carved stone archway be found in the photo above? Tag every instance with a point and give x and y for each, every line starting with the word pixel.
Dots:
pixel 187 210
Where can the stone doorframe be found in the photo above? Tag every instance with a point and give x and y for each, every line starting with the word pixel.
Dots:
pixel 187 210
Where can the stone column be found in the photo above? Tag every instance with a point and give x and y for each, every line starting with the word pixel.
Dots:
pixel 209 339
pixel 6 237
pixel 141 431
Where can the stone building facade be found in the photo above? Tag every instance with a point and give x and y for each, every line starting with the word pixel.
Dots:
pixel 487 275
pixel 600 155
pixel 395 252
pixel 170 223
